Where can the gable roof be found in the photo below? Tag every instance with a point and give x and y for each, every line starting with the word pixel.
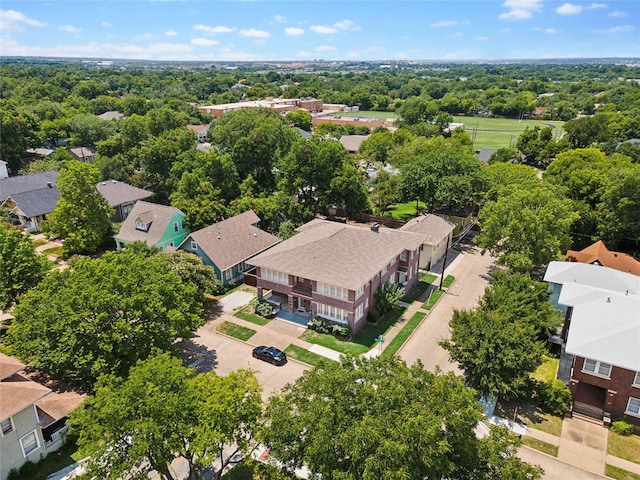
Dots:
pixel 111 115
pixel 9 366
pixel 25 183
pixel 605 325
pixel 82 152
pixel 118 193
pixel 484 154
pixel 592 276
pixel 352 143
pixel 433 228
pixel 198 128
pixel 156 216
pixel 233 240
pixel 343 255
pixel 36 202
pixel 598 252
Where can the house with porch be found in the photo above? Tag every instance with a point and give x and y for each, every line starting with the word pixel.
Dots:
pixel 229 245
pixel 32 417
pixel 332 270
pixel 121 197
pixel 153 224
pixel 437 233
pixel 602 338
pixel 29 198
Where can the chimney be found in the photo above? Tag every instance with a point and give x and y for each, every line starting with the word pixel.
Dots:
pixel 49 185
pixel 375 227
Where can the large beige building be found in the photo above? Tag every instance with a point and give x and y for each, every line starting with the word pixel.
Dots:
pixel 281 105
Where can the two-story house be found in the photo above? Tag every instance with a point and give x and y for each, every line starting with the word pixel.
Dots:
pixel 153 224
pixel 32 417
pixel 121 197
pixel 437 233
pixel 332 270
pixel 29 198
pixel 602 331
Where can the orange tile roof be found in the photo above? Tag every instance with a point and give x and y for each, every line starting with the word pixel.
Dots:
pixel 599 253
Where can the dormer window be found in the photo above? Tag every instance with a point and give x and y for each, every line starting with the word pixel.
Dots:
pixel 140 225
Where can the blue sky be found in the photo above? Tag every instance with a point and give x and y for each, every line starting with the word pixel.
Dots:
pixel 329 29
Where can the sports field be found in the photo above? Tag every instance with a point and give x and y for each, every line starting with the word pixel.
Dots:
pixel 485 132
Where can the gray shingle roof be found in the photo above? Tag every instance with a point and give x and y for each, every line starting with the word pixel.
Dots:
pixel 352 143
pixel 25 183
pixel 156 216
pixel 118 193
pixel 433 228
pixel 233 240
pixel 82 152
pixel 336 253
pixel 37 202
pixel 111 115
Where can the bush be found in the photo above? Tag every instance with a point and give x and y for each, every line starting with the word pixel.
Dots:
pixel 388 297
pixel 622 427
pixel 262 308
pixel 321 325
pixel 553 396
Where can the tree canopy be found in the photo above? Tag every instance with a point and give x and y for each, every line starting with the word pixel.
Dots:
pixel 101 316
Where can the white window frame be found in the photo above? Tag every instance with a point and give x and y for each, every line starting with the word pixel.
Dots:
pixel 334 313
pixel 274 276
pixel 37 443
pixel 597 365
pixel 359 311
pixel 636 380
pixel 194 245
pixel 176 227
pixel 141 226
pixel 636 407
pixel 333 291
pixel 385 270
pixel 403 256
pixel 227 274
pixel 360 292
pixel 8 430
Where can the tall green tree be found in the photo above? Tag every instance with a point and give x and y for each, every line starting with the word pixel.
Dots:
pixel 101 316
pixel 81 215
pixel 163 411
pixel 21 268
pixel 19 129
pixel 378 419
pixel 619 209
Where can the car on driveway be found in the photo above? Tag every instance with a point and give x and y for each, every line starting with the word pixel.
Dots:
pixel 270 354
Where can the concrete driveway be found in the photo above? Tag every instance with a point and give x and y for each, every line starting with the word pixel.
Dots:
pixel 235 300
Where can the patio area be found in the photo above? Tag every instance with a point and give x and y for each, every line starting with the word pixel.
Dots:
pixel 284 314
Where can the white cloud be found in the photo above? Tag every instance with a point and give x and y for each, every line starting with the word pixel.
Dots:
pixel 170 33
pixel 106 24
pixel 204 42
pixel 292 31
pixel 620 29
pixel 596 5
pixel 480 38
pixel 325 48
pixel 252 32
pixel 551 31
pixel 322 29
pixel 304 54
pixel 69 29
pixel 346 25
pixel 447 23
pixel 520 9
pixel 569 9
pixel 14 20
pixel 618 14
pixel 280 19
pixel 213 30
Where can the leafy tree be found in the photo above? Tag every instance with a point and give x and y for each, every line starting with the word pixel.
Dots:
pixel 199 200
pixel 619 210
pixel 87 129
pixel 378 146
pixel 504 155
pixel 101 316
pixel 385 191
pixel 57 161
pixel 190 268
pixel 163 411
pixel 417 110
pixel 287 230
pixel 583 132
pixel 19 130
pixel 21 268
pixel 81 215
pixel 388 297
pixel 528 227
pixel 380 419
pixel 299 119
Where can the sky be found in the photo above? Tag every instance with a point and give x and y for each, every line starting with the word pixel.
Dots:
pixel 213 30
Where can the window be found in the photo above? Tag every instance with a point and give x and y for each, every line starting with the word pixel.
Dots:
pixel 596 367
pixel 194 245
pixel 633 407
pixel 333 313
pixel 171 244
pixel 7 426
pixel 636 380
pixel 332 291
pixel 384 270
pixel 175 227
pixel 29 443
pixel 359 292
pixel 227 274
pixel 403 256
pixel 141 226
pixel 359 311
pixel 183 224
pixel 274 276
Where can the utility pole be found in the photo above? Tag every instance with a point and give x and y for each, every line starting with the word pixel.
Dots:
pixel 444 264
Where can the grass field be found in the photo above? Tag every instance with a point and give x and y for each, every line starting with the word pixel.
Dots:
pixel 303 355
pixel 548 370
pixel 247 315
pixel 405 211
pixel 236 331
pixel 433 299
pixel 627 447
pixel 402 336
pixel 540 446
pixel 485 132
pixel 619 474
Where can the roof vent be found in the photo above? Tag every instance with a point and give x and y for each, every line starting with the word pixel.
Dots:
pixel 375 227
pixel 103 183
pixel 113 181
pixel 49 185
pixel 608 299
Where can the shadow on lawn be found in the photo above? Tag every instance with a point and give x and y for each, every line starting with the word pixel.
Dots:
pixel 198 356
pixel 367 336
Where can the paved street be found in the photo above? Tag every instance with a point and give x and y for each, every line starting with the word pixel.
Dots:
pixel 471 271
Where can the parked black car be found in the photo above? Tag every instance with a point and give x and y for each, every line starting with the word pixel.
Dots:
pixel 270 354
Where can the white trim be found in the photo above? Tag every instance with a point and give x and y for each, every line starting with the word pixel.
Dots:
pixel 37 442
pixel 636 411
pixel 9 430
pixel 636 380
pixel 597 365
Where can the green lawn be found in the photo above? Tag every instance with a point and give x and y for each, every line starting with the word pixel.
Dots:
pixel 548 370
pixel 364 341
pixel 38 243
pixel 540 445
pixel 248 315
pixel 404 334
pixel 236 331
pixel 619 474
pixel 51 464
pixel 425 279
pixel 448 280
pixel 433 299
pixel 526 412
pixel 53 251
pixel 303 355
pixel 405 211
pixel 626 447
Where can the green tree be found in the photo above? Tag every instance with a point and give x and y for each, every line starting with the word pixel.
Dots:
pixel 299 119
pixel 388 297
pixel 81 215
pixel 417 110
pixel 287 230
pixel 101 316
pixel 21 268
pixel 378 419
pixel 19 131
pixel 163 411
pixel 87 129
pixel 190 268
pixel 385 191
pixel 583 132
pixel 527 227
pixel 619 210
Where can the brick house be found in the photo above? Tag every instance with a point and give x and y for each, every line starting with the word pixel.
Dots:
pixel 332 270
pixel 602 331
